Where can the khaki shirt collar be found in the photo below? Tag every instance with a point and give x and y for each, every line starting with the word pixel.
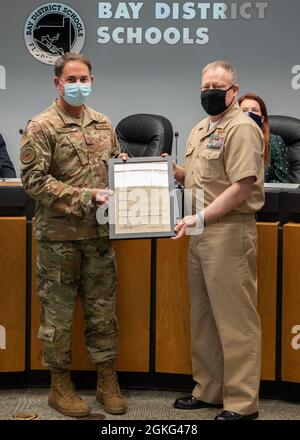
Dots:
pixel 222 123
pixel 89 115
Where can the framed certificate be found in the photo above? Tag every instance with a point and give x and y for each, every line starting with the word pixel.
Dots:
pixel 142 205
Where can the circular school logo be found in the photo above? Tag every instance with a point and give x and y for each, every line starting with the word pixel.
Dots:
pixel 53 29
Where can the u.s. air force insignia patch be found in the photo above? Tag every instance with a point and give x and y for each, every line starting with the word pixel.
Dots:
pixel 27 154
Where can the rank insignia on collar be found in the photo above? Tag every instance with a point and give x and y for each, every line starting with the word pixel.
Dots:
pixel 216 140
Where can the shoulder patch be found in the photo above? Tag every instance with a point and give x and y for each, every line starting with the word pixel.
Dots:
pixel 27 155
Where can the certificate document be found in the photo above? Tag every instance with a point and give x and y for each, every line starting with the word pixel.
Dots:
pixel 143 201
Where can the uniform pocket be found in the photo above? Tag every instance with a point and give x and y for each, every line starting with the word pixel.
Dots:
pixel 52 273
pixel 189 150
pixel 46 333
pixel 188 156
pixel 211 154
pixel 211 163
pixel 104 135
pixel 70 151
pixel 98 136
pixel 48 265
pixel 105 155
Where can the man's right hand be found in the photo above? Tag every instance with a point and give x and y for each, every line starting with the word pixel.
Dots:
pixel 190 221
pixel 178 171
pixel 101 196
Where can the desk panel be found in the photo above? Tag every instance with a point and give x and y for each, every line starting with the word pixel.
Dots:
pixel 133 305
pixel 291 303
pixel 173 353
pixel 267 294
pixel 12 293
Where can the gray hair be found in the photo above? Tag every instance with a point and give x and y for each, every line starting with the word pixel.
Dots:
pixel 225 65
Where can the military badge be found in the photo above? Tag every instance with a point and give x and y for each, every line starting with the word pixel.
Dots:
pixel 216 140
pixel 27 155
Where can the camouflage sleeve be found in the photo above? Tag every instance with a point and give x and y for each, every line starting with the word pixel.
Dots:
pixel 35 163
pixel 115 145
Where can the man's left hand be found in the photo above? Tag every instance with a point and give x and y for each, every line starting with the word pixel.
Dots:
pixel 123 156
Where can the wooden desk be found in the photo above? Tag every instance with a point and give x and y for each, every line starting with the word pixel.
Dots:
pixel 291 303
pixel 13 292
pixel 173 353
pixel 267 294
pixel 138 265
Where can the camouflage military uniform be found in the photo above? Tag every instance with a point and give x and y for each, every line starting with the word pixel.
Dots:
pixel 62 159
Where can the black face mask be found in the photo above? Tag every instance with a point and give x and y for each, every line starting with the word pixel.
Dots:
pixel 256 118
pixel 214 101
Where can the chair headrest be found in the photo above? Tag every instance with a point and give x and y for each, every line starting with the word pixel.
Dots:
pixel 145 134
pixel 285 126
pixel 289 129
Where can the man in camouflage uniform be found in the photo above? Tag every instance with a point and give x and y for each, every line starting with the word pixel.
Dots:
pixel 64 155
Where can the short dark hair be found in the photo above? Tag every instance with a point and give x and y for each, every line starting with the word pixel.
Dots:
pixel 70 56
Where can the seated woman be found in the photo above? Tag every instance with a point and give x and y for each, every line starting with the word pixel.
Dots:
pixel 6 167
pixel 276 156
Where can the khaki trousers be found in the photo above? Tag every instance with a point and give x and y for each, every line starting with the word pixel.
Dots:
pixel 225 325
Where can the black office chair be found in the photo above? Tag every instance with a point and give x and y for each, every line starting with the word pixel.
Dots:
pixel 142 135
pixel 289 129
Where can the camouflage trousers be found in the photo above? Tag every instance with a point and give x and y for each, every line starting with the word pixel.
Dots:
pixel 65 270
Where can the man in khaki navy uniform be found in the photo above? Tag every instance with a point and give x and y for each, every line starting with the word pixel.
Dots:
pixel 64 155
pixel 224 157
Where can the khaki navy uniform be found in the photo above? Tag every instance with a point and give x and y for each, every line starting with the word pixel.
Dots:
pixel 62 159
pixel 225 326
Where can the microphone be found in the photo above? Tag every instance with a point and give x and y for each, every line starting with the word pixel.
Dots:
pixel 179 195
pixel 176 134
